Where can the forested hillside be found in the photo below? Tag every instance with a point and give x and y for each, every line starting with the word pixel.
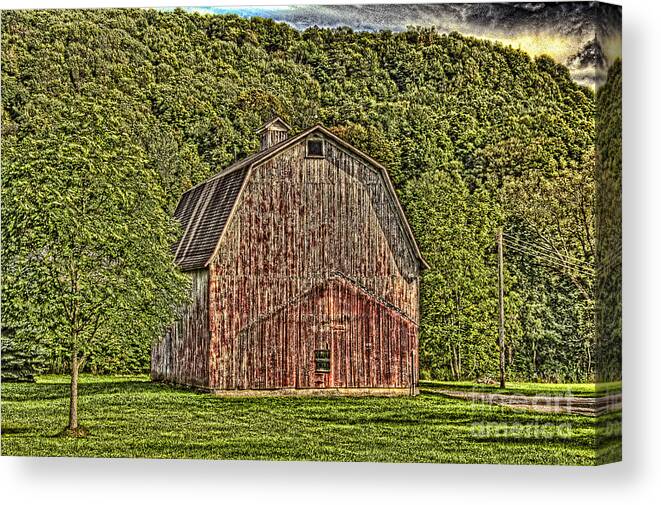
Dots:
pixel 476 136
pixel 608 221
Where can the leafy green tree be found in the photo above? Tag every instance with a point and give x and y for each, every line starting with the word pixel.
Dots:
pixel 86 234
pixel 456 231
pixel 553 217
pixel 609 226
pixel 550 247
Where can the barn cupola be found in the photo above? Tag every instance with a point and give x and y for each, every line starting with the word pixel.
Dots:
pixel 273 132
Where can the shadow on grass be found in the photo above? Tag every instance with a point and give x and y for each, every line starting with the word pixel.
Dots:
pixel 40 391
pixel 364 420
pixel 459 387
pixel 14 430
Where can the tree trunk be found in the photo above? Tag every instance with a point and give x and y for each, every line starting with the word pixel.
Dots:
pixel 459 370
pixel 73 395
pixel 455 363
pixel 501 307
pixel 451 361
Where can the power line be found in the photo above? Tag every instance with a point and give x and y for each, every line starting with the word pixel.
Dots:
pixel 549 259
pixel 544 261
pixel 544 250
pixel 550 254
pixel 548 251
pixel 609 260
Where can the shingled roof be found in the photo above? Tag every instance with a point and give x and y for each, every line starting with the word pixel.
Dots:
pixel 204 210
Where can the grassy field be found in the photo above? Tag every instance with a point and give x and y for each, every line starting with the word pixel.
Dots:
pixel 131 417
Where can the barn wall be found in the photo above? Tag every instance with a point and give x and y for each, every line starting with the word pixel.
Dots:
pixel 182 355
pixel 299 222
pixel 372 345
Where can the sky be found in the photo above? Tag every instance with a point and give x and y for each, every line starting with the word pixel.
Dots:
pixel 585 36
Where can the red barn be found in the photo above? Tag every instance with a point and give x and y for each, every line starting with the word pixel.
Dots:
pixel 305 275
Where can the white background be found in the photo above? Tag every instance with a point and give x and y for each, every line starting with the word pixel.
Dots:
pixel 636 480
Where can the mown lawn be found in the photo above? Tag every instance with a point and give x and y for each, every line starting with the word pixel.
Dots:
pixel 132 417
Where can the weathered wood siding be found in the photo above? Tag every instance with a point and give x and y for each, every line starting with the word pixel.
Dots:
pixel 371 344
pixel 300 225
pixel 182 355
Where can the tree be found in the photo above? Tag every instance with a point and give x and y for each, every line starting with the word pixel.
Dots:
pixel 550 244
pixel 556 214
pixel 86 233
pixel 456 232
pixel 609 226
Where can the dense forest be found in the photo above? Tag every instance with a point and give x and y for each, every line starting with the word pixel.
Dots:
pixel 476 137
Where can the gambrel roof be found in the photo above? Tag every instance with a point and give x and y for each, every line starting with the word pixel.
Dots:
pixel 205 209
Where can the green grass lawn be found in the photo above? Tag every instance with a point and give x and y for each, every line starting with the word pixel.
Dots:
pixel 132 417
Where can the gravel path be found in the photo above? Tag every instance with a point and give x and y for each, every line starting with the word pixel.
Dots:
pixel 549 404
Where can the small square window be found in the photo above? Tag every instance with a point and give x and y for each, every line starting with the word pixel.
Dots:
pixel 315 148
pixel 322 360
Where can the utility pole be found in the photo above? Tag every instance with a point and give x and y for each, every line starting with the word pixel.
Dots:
pixel 501 308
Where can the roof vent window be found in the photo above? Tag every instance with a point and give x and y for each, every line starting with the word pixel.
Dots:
pixel 273 132
pixel 315 148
